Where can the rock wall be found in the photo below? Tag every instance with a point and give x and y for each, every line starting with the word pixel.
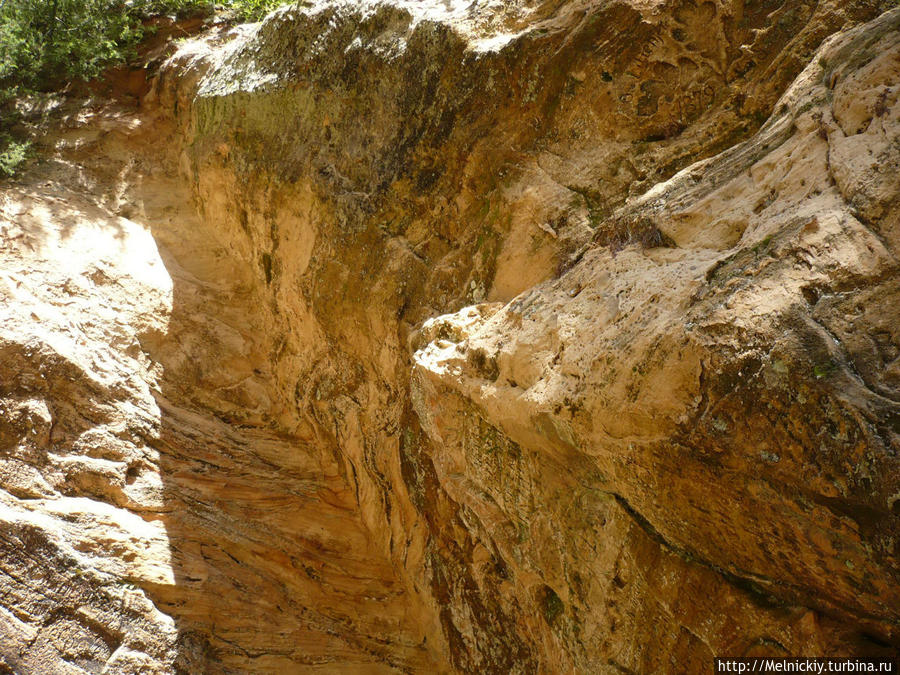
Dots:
pixel 420 337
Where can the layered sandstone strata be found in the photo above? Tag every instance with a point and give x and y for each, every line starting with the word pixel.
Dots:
pixel 505 337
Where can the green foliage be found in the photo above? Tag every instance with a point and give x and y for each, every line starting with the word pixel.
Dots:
pixel 12 154
pixel 46 43
pixel 253 10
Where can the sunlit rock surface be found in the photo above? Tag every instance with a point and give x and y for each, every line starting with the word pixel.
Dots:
pixel 461 337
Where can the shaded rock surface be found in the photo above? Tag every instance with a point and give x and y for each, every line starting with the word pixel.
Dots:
pixel 430 337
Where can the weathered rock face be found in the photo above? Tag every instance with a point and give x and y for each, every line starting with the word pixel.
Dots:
pixel 704 390
pixel 505 338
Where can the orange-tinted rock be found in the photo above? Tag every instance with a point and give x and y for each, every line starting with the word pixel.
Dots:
pixel 428 338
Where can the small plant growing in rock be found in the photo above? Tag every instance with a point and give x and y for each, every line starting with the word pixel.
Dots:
pixel 823 370
pixel 551 604
pixel 12 155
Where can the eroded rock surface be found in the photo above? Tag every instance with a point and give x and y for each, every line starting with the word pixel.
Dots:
pixel 506 337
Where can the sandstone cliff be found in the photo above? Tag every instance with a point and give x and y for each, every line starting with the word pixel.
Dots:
pixel 502 337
